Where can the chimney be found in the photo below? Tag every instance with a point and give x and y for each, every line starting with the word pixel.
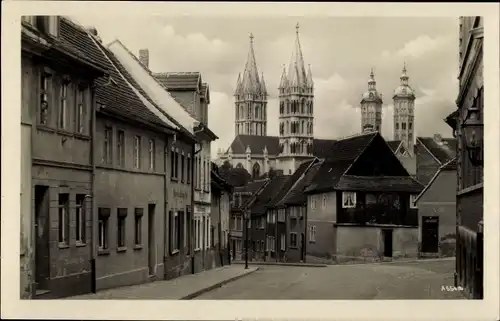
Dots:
pixel 368 128
pixel 144 57
pixel 438 138
pixel 93 31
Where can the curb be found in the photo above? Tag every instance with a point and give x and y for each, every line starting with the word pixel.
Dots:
pixel 396 262
pixel 283 264
pixel 216 285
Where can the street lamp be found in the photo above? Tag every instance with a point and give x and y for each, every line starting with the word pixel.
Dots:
pixel 247 223
pixel 471 127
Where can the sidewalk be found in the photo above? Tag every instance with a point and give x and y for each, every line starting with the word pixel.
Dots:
pixel 279 263
pixel 182 288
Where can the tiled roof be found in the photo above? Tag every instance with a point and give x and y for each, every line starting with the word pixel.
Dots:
pixel 328 175
pixel 450 165
pixel 443 151
pixel 179 80
pixel 250 190
pixel 118 98
pixel 394 144
pixel 267 194
pixel 383 183
pixel 235 176
pixel 321 147
pixel 296 195
pixel 278 200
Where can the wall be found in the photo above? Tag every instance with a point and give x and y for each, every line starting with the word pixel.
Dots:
pixel 236 159
pixel 440 200
pixel 322 216
pixel 410 163
pixel 354 242
pixel 427 165
pixel 130 188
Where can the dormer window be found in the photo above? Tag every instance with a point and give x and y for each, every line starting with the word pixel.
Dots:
pixel 29 19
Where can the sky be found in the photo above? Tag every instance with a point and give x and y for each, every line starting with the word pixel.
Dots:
pixel 340 50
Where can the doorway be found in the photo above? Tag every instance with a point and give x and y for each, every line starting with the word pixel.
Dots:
pixel 387 237
pixel 302 247
pixel 151 239
pixel 42 257
pixel 430 234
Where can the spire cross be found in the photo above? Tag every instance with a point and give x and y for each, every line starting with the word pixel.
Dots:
pixel 251 37
pixel 297 27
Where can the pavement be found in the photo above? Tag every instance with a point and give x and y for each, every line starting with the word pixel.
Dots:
pixel 279 263
pixel 425 279
pixel 182 288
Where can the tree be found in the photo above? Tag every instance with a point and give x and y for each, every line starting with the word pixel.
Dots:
pixel 226 165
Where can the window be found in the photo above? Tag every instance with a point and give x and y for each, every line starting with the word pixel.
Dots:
pixel 137 152
pixel 198 233
pixel 283 242
pixel 313 201
pixel 182 168
pixel 176 164
pixel 293 239
pixel 80 218
pixel 120 148
pixel 324 201
pixel 103 214
pixel 172 164
pixel 121 228
pixel 348 199
pixel 64 218
pixel 151 153
pixel 53 26
pixel 139 212
pixel 182 233
pixel 207 232
pixel 212 236
pixel 44 98
pixel 188 175
pixel 174 232
pixel 312 234
pixel 397 125
pixel 108 137
pixel 403 126
pixel 413 198
pixel 80 110
pixel 410 125
pixel 63 112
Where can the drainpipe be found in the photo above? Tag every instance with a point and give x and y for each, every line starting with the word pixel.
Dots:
pixel 92 199
pixel 220 228
pixel 165 208
pixel 195 152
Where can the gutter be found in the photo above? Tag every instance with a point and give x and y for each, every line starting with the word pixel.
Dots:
pixel 93 202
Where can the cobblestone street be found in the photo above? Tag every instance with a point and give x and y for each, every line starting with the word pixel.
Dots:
pixel 405 280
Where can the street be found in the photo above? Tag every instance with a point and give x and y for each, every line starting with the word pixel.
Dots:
pixel 410 280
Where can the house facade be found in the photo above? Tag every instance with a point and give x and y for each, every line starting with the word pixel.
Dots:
pixel 360 204
pixel 437 213
pixel 57 181
pixel 467 124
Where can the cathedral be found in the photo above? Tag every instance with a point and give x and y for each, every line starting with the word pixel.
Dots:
pixel 258 153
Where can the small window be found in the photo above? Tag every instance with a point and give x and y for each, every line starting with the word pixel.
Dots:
pixel 410 125
pixel 120 148
pixel 312 234
pixel 80 110
pixel 139 212
pixel 107 155
pixel 151 153
pixel 80 218
pixel 121 228
pixel 103 230
pixel 413 203
pixel 172 163
pixel 348 199
pixel 137 152
pixel 397 125
pixel 176 164
pixel 64 219
pixel 403 126
pixel 63 107
pixel 293 239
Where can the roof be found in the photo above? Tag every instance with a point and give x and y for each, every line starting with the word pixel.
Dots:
pixel 297 194
pixel 119 98
pixel 179 80
pixel 219 182
pixel 279 199
pixel 382 183
pixel 268 193
pixel 235 176
pixel 451 119
pixel 443 149
pixel 448 166
pixel 250 191
pixel 394 144
pixel 321 147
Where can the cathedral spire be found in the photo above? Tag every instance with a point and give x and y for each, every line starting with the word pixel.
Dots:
pixel 404 76
pixel 238 84
pixel 296 71
pixel 310 81
pixel 263 89
pixel 250 82
pixel 284 80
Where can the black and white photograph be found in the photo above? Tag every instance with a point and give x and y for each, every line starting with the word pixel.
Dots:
pixel 253 157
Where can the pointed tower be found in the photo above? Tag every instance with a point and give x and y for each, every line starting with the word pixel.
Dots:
pixel 251 99
pixel 296 95
pixel 371 106
pixel 404 103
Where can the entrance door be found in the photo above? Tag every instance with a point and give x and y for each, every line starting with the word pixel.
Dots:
pixel 151 239
pixel 42 259
pixel 302 247
pixel 387 234
pixel 430 234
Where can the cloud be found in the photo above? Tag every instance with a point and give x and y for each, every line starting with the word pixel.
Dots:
pixel 418 47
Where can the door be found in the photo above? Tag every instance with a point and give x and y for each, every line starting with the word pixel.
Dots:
pixel 302 247
pixel 387 234
pixel 42 258
pixel 151 239
pixel 430 234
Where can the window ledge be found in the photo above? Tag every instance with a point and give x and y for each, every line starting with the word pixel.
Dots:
pixel 103 252
pixel 174 252
pixel 313 242
pixel 45 128
pixel 63 245
pixel 197 250
pixel 65 133
pixel 82 136
pixel 173 179
pixel 138 247
pixel 121 249
pixel 81 244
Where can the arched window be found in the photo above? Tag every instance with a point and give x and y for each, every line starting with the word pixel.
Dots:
pixel 256 171
pixel 303 106
pixel 302 127
pixel 242 113
pixel 287 127
pixel 239 165
pixel 287 107
pixel 256 112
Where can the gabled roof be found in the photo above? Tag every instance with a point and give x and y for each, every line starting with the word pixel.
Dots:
pixel 235 176
pixel 451 165
pixel 115 93
pixel 442 150
pixel 290 183
pixel 179 80
pixel 394 145
pixel 297 195
pixel 249 192
pixel 268 193
pixel 383 183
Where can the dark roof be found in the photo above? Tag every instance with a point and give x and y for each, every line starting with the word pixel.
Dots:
pixel 443 149
pixel 268 193
pixel 235 176
pixel 278 200
pixel 383 183
pixel 394 144
pixel 179 80
pixel 343 155
pixel 297 194
pixel 321 147
pixel 451 119
pixel 118 98
pixel 250 190
pixel 217 181
pixel 450 165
